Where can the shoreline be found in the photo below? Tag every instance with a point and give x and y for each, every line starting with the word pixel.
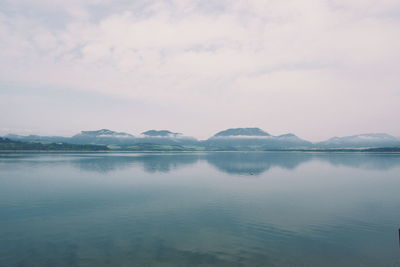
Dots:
pixel 198 151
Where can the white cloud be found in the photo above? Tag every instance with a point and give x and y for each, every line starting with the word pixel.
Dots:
pixel 210 55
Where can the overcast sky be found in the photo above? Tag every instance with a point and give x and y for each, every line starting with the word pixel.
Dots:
pixel 316 68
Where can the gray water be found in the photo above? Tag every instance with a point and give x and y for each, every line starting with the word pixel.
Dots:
pixel 199 209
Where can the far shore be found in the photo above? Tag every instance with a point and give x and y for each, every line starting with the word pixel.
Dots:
pixel 198 151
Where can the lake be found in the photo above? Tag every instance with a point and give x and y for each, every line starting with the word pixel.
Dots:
pixel 199 209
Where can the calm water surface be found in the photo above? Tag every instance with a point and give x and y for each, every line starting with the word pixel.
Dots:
pixel 199 209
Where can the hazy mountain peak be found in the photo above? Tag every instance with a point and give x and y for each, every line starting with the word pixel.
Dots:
pixel 362 140
pixel 376 135
pixel 160 133
pixel 242 132
pixel 98 132
pixel 366 136
pixel 288 135
pixel 104 133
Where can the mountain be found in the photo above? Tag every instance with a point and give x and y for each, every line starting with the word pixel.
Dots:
pixel 166 137
pixel 103 137
pixel 104 133
pixel 160 133
pixel 37 138
pixel 291 141
pixel 234 139
pixel 253 139
pixel 8 144
pixel 116 140
pixel 371 140
pixel 241 132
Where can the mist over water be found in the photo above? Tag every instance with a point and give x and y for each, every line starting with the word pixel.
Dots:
pixel 200 209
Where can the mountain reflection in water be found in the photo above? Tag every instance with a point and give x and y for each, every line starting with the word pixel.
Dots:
pixel 237 163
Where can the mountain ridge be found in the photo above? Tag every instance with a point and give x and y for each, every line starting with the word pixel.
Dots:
pixel 160 133
pixel 103 133
pixel 250 138
pixel 242 132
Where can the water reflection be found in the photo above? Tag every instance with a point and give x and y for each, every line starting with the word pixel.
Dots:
pixel 238 163
pixel 244 163
pixel 370 161
pixel 165 163
pixel 150 162
pixel 102 163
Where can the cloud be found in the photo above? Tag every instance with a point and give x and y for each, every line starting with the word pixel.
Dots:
pixel 211 55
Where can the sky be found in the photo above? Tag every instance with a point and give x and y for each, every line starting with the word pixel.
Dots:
pixel 315 68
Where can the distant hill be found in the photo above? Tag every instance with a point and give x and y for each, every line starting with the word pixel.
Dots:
pixel 155 147
pixel 371 140
pixel 253 139
pixel 233 139
pixel 104 133
pixel 37 138
pixel 102 137
pixel 292 141
pixel 242 132
pixel 160 133
pixel 8 144
pixel 166 137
